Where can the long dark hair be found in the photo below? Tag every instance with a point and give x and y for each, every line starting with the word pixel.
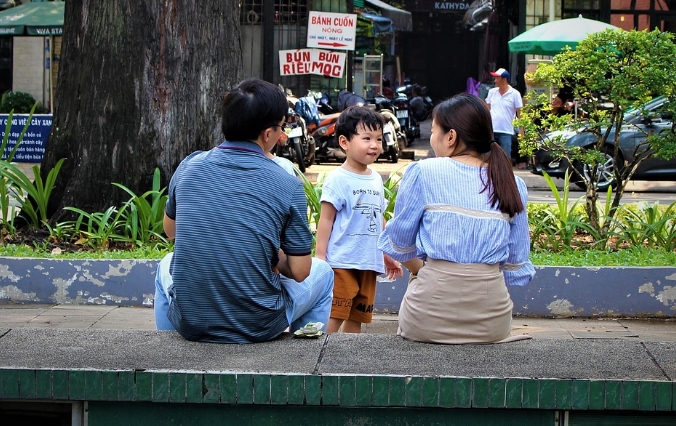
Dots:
pixel 470 118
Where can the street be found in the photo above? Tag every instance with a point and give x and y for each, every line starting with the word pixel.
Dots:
pixel 538 190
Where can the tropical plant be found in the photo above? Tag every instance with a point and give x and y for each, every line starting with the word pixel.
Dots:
pixel 9 192
pixel 98 229
pixel 650 225
pixel 609 73
pixel 143 215
pixel 32 196
pixel 558 227
pixel 6 208
pixel 313 194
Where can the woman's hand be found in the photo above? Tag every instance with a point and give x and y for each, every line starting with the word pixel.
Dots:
pixel 392 268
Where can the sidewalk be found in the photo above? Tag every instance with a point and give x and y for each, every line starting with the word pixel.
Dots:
pixel 129 318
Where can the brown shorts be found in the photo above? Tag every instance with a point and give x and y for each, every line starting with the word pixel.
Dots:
pixel 354 292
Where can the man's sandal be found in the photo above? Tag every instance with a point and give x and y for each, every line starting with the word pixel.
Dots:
pixel 311 330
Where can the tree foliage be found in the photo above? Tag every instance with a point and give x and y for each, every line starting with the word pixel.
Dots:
pixel 609 73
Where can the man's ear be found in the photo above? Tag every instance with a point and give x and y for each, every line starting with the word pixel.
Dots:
pixel 265 134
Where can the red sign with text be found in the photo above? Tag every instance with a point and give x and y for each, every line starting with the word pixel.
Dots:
pixel 311 61
pixel 327 30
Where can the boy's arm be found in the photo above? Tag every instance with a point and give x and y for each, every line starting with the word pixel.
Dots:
pixel 324 228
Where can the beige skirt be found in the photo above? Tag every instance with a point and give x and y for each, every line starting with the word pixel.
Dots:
pixel 457 303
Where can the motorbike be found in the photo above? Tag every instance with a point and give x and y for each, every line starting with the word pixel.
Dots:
pixel 406 120
pixel 394 138
pixel 324 132
pixel 323 102
pixel 390 138
pixel 297 144
pixel 325 135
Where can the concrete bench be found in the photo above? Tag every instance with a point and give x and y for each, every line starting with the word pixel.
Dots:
pixel 555 291
pixel 148 377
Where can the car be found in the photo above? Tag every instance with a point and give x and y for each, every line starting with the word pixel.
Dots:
pixel 638 126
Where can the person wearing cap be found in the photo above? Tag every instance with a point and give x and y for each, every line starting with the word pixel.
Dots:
pixel 505 104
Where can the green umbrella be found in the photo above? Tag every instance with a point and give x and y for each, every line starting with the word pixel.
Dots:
pixel 34 18
pixel 551 37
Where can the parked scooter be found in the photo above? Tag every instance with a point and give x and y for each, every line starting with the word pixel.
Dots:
pixel 323 102
pixel 299 146
pixel 327 144
pixel 390 142
pixel 406 121
pixel 394 139
pixel 325 133
pixel 322 128
pixel 296 145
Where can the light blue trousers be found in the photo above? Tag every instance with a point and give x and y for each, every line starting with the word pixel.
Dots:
pixel 307 301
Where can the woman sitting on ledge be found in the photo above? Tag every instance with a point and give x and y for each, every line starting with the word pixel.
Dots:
pixel 460 227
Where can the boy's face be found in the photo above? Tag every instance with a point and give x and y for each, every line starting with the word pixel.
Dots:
pixel 365 147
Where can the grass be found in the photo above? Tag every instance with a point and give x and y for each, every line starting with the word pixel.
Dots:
pixel 20 250
pixel 636 256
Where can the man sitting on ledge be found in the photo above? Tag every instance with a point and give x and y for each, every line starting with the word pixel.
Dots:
pixel 241 270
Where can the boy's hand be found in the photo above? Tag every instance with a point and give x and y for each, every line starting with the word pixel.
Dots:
pixel 392 268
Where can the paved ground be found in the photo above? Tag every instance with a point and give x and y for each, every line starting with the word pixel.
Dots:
pixel 127 318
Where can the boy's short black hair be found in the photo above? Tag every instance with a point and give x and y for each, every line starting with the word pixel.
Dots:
pixel 353 116
pixel 251 107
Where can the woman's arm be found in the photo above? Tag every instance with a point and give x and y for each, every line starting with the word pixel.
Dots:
pixel 518 267
pixel 399 237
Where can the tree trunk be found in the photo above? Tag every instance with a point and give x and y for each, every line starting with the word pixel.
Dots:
pixel 140 85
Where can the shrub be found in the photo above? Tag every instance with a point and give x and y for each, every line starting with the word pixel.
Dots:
pixel 20 103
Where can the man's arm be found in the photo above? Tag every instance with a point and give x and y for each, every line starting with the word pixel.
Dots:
pixel 169 225
pixel 294 267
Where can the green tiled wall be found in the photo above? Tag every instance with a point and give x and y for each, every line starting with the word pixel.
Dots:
pixel 339 391
pixel 162 414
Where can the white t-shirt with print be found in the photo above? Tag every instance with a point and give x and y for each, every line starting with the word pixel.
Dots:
pixel 359 201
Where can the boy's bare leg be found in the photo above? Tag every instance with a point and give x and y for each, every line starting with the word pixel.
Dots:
pixel 351 326
pixel 334 325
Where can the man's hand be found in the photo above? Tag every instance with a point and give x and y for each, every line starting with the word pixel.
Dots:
pixel 392 268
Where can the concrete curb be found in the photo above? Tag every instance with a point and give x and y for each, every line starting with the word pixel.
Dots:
pixel 555 291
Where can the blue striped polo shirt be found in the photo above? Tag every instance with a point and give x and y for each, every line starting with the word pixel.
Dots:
pixel 234 208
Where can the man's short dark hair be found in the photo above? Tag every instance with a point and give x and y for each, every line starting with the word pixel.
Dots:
pixel 351 117
pixel 251 107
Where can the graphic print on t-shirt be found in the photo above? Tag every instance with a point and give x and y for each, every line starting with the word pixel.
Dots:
pixel 370 213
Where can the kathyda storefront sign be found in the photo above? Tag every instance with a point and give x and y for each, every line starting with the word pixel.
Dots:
pixel 438 6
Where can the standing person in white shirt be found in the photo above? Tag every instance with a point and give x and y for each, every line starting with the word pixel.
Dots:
pixel 505 104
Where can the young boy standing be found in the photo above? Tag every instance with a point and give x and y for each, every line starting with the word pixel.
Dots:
pixel 351 220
